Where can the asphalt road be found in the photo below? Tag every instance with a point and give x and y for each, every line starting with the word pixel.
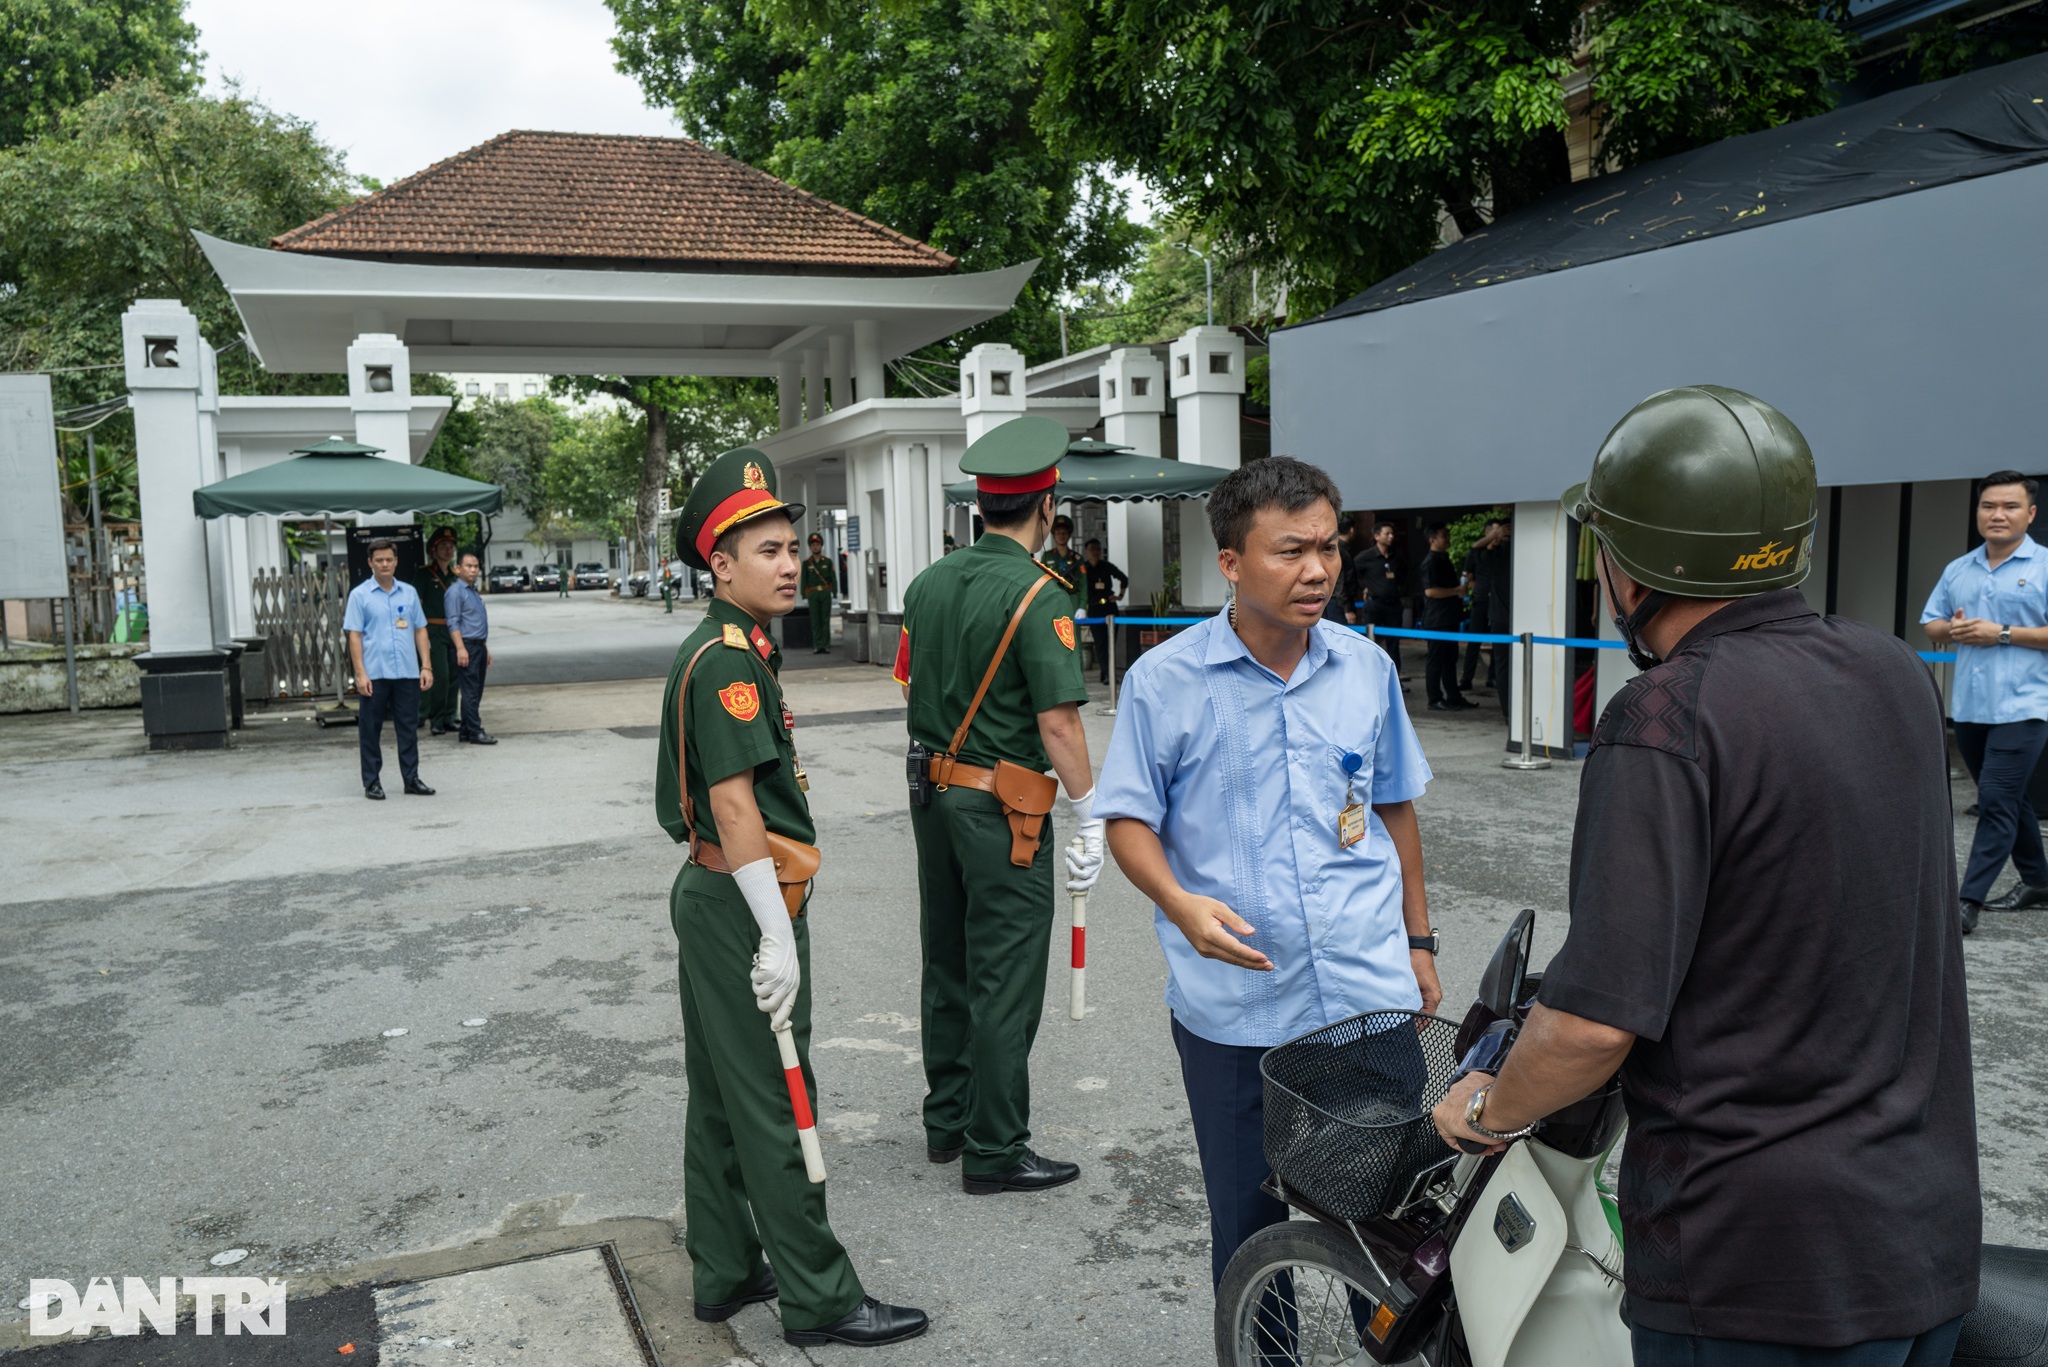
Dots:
pixel 543 638
pixel 202 956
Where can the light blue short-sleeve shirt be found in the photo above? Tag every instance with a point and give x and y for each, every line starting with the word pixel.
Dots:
pixel 1242 775
pixel 1997 684
pixel 387 619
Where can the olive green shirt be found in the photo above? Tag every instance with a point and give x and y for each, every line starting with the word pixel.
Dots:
pixel 737 721
pixel 1068 566
pixel 953 618
pixel 820 580
pixel 432 586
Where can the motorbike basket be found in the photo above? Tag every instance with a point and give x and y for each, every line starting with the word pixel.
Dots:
pixel 1347 1108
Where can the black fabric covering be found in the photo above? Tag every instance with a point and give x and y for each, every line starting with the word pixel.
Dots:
pixel 1975 125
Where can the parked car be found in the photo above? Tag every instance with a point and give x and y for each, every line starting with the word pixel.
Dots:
pixel 545 577
pixel 638 583
pixel 509 579
pixel 591 575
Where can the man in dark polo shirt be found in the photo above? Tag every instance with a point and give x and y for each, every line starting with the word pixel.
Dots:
pixel 1763 937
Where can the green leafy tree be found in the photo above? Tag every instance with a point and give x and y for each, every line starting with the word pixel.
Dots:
pixel 58 53
pixel 514 441
pixel 1327 140
pixel 915 113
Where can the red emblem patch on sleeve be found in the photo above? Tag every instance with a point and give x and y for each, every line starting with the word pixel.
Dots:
pixel 901 673
pixel 1063 627
pixel 743 700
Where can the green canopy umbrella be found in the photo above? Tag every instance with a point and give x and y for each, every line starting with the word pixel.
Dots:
pixel 1098 471
pixel 339 476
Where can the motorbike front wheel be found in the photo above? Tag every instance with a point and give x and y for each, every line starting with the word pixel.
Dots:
pixel 1299 1293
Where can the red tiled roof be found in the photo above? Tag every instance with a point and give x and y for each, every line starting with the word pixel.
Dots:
pixel 600 201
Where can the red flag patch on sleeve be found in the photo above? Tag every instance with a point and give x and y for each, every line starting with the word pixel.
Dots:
pixel 742 700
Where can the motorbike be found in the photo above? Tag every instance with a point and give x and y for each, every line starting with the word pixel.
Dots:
pixel 1399 1225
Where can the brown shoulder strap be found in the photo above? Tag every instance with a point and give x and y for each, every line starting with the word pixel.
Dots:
pixel 1002 649
pixel 682 743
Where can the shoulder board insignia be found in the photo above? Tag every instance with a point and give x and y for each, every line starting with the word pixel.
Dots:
pixel 1063 582
pixel 762 645
pixel 734 637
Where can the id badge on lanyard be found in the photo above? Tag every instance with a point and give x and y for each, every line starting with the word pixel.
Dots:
pixel 1351 820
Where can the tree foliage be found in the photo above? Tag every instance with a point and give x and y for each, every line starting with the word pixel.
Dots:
pixel 1326 139
pixel 58 53
pixel 915 113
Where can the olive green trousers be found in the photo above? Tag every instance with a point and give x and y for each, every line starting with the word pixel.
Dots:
pixel 437 705
pixel 821 621
pixel 986 927
pixel 744 1188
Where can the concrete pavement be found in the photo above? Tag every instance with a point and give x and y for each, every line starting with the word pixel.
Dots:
pixel 202 956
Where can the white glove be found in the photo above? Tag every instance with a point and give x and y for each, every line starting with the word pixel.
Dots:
pixel 776 974
pixel 1084 865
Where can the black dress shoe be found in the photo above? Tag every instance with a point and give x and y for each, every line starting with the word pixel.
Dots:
pixel 439 730
pixel 868 1325
pixel 417 788
pixel 375 792
pixel 1441 707
pixel 763 1289
pixel 1462 704
pixel 480 738
pixel 944 1155
pixel 1971 910
pixel 2019 897
pixel 1033 1174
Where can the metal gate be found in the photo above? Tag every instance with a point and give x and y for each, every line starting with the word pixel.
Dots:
pixel 298 613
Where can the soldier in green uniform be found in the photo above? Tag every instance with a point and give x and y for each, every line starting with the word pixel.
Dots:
pixel 431 581
pixel 741 952
pixel 984 846
pixel 1063 560
pixel 821 583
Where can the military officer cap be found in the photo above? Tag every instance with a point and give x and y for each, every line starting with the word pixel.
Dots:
pixel 444 534
pixel 739 487
pixel 1020 457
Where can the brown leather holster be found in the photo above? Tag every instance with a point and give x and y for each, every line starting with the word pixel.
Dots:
pixel 1025 794
pixel 796 863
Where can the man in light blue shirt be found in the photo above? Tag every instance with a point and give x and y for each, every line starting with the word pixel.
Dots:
pixel 1260 788
pixel 387 644
pixel 469 629
pixel 1992 606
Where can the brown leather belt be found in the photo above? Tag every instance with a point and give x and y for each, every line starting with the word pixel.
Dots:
pixel 709 856
pixel 1025 798
pixel 706 855
pixel 437 621
pixel 950 773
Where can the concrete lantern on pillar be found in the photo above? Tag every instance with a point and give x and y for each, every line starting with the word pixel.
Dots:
pixel 1133 385
pixel 991 387
pixel 1205 374
pixel 868 381
pixel 184 684
pixel 380 398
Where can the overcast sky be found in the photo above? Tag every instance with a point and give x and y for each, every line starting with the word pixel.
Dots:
pixel 398 86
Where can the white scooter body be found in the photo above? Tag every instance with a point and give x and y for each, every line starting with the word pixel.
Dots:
pixel 1537 1269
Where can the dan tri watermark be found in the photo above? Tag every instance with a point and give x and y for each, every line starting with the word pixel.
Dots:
pixel 247 1305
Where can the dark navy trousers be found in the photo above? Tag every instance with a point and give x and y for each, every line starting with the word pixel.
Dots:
pixel 1227 1100
pixel 398 699
pixel 470 678
pixel 1654 1348
pixel 2002 758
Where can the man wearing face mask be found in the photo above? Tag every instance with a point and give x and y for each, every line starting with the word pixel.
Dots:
pixel 1763 934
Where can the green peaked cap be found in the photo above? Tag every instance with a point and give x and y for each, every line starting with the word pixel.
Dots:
pixel 737 488
pixel 1019 449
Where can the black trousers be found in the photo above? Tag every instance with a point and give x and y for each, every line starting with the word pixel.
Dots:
pixel 1227 1101
pixel 470 678
pixel 398 699
pixel 1381 613
pixel 1099 636
pixel 1654 1348
pixel 2002 758
pixel 1440 664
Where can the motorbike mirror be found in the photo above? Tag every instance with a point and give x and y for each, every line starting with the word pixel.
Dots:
pixel 1500 986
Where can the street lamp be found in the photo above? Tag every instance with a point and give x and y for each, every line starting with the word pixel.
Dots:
pixel 1208 278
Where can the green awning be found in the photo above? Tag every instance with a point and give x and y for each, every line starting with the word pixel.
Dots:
pixel 337 477
pixel 1112 474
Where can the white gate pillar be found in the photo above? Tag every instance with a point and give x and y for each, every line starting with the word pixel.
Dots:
pixel 814 384
pixel 1133 384
pixel 868 381
pixel 1545 553
pixel 380 397
pixel 1206 372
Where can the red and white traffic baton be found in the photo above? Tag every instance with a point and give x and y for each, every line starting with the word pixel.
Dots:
pixel 1077 998
pixel 800 1104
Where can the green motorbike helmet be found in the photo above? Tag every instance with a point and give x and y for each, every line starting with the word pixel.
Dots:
pixel 1702 491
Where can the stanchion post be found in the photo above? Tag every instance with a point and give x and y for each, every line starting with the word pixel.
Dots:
pixel 1109 621
pixel 1528 759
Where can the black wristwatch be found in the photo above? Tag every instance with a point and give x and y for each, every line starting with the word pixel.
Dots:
pixel 1428 942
